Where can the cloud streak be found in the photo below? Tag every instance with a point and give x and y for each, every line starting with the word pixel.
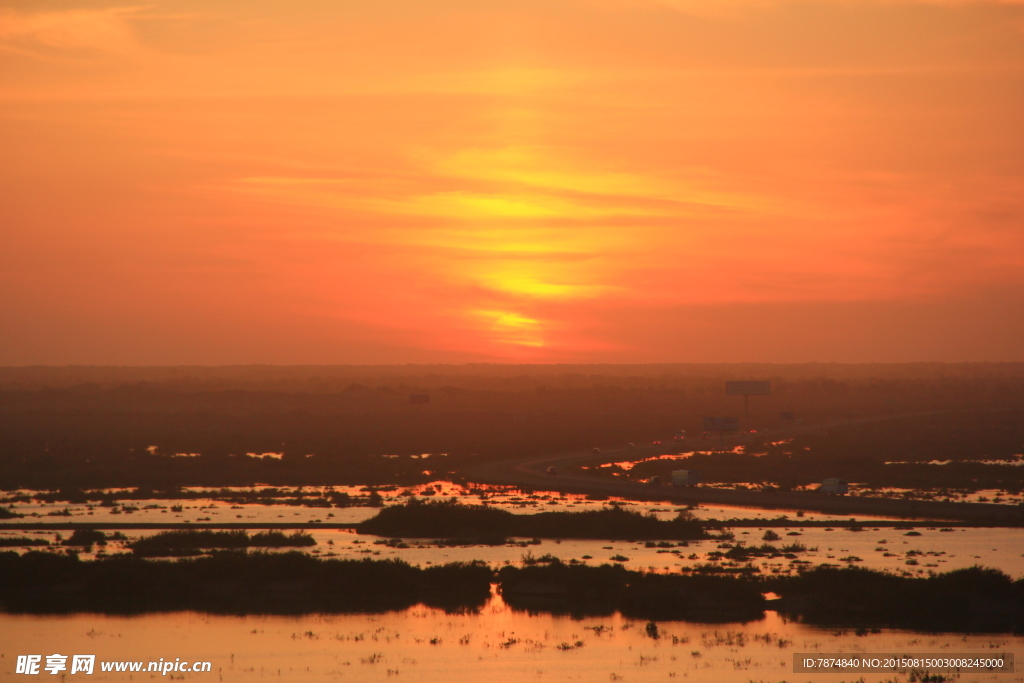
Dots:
pixel 105 31
pixel 532 181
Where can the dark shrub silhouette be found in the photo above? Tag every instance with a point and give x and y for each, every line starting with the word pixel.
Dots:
pixel 190 542
pixel 449 519
pixel 233 582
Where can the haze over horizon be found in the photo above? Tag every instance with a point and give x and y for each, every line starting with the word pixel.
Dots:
pixel 546 181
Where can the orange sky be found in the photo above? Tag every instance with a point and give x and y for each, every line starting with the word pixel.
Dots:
pixel 317 181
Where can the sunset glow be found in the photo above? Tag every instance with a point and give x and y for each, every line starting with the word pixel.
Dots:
pixel 577 181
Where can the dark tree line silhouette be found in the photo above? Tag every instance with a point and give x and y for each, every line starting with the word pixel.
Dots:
pixel 443 519
pixel 971 600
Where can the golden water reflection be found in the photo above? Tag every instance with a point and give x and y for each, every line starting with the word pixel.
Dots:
pixel 423 644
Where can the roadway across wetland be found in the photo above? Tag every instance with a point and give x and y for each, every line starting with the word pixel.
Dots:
pixel 562 473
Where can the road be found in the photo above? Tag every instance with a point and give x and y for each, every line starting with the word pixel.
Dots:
pixel 532 473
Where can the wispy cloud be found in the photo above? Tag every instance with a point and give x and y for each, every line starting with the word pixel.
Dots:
pixel 492 177
pixel 106 31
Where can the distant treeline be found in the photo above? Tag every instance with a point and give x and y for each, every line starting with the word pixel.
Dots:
pixel 449 519
pixel 329 378
pixel 967 600
pixel 167 427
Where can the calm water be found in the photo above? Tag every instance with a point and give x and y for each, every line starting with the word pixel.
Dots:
pixel 889 549
pixel 499 644
pixel 496 644
pixel 507 498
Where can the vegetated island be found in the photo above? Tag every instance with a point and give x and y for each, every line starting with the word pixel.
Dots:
pixel 972 600
pixel 449 519
pixel 21 541
pixel 183 543
pixel 233 582
pixel 550 585
pixel 966 600
pixel 194 542
pixel 86 537
pixel 230 582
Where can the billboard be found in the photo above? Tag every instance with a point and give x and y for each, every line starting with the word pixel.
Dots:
pixel 748 388
pixel 721 424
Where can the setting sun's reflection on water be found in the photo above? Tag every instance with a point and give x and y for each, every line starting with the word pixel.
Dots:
pixel 429 645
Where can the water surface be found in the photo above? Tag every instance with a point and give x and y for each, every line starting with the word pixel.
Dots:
pixel 495 644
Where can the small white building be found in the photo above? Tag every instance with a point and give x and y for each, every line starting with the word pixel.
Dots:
pixel 685 477
pixel 834 486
